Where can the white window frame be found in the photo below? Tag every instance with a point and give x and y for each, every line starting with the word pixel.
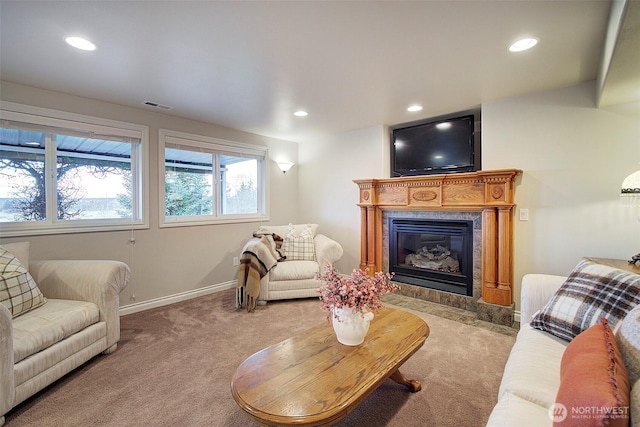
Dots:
pixel 64 120
pixel 214 146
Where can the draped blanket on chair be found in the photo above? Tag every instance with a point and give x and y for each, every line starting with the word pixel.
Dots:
pixel 258 257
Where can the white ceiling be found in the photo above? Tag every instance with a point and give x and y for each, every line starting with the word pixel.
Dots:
pixel 250 65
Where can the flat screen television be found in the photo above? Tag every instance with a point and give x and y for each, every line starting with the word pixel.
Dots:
pixel 445 145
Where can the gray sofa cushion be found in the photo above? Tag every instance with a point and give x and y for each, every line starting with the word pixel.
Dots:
pixel 628 338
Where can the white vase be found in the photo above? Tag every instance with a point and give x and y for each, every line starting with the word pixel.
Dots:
pixel 350 326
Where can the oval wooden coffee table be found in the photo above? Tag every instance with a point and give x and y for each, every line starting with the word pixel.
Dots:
pixel 311 379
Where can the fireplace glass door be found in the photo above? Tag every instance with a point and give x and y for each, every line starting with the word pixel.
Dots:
pixel 433 254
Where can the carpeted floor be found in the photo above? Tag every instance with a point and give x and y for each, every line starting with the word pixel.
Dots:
pixel 174 365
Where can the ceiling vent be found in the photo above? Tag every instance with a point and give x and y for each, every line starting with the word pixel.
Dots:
pixel 156 105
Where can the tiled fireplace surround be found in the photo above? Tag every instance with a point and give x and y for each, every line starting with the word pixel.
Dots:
pixel 486 198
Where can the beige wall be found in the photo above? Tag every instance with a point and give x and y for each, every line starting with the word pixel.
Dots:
pixel 328 195
pixel 166 261
pixel 574 158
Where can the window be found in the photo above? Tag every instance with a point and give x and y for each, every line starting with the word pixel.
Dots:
pixel 207 180
pixel 61 172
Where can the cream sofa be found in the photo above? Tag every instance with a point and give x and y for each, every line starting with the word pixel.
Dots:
pixel 531 377
pixel 296 279
pixel 79 320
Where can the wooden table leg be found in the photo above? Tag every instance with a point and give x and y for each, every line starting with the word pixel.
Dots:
pixel 413 385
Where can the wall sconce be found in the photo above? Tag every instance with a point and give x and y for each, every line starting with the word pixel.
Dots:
pixel 285 166
pixel 630 196
pixel 630 191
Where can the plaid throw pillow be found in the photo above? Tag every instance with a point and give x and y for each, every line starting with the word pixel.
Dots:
pixel 591 291
pixel 299 247
pixel 18 291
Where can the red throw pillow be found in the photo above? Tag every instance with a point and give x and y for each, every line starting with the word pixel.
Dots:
pixel 594 385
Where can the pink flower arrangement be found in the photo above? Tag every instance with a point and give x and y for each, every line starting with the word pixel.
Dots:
pixel 358 291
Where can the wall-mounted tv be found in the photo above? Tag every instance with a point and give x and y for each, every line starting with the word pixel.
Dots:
pixel 448 144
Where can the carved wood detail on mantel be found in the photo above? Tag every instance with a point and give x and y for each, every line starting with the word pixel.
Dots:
pixel 490 192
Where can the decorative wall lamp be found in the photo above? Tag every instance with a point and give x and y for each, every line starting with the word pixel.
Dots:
pixel 285 166
pixel 630 196
pixel 630 191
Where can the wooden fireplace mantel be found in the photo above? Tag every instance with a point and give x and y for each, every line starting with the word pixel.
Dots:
pixel 490 192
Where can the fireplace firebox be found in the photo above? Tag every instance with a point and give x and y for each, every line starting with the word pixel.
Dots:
pixel 436 254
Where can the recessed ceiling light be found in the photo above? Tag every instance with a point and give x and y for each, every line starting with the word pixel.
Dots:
pixel 414 108
pixel 80 43
pixel 301 113
pixel 523 44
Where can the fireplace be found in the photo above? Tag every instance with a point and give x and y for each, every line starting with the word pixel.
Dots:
pixel 485 197
pixel 432 254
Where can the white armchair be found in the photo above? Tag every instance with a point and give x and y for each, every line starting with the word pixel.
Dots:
pixel 295 277
pixel 79 320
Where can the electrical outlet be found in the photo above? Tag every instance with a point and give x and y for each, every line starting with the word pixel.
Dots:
pixel 524 214
pixel 236 261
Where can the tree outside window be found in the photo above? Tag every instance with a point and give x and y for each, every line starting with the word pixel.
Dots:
pixel 90 178
pixel 208 180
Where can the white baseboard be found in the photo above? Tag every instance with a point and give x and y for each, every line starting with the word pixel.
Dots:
pixel 170 299
pixel 183 296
